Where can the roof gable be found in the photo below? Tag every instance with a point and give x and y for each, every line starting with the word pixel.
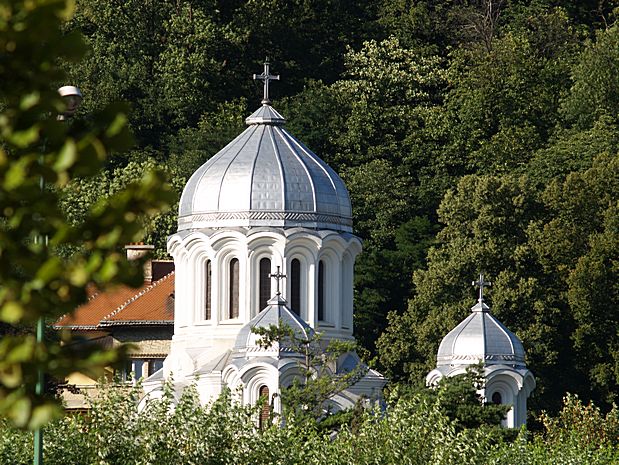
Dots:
pixel 150 304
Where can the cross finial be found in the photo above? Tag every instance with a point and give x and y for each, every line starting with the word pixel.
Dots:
pixel 481 283
pixel 278 276
pixel 266 77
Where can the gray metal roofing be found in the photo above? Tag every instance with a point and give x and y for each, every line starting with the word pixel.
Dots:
pixel 277 314
pixel 480 337
pixel 265 177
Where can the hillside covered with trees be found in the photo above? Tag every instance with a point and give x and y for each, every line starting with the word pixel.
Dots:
pixel 473 136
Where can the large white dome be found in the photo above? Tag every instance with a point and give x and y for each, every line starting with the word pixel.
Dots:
pixel 480 338
pixel 265 177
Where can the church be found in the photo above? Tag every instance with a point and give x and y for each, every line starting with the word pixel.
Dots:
pixel 264 207
pixel 480 337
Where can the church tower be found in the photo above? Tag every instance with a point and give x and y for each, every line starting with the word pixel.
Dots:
pixel 265 202
pixel 481 338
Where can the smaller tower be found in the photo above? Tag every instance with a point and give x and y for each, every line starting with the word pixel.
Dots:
pixel 482 338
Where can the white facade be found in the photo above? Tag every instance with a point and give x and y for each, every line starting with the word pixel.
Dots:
pixel 265 202
pixel 482 338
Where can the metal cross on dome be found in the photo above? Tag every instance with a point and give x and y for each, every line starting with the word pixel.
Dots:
pixel 481 283
pixel 266 77
pixel 278 276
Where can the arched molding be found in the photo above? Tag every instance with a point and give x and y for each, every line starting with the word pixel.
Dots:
pixel 332 288
pixel 265 239
pixel 264 248
pixel 529 383
pixel 310 239
pixel 224 239
pixel 182 287
pixel 199 252
pixel 306 251
pixel 230 376
pixel 335 244
pixel 196 239
pixel 433 378
pixel 502 372
pixel 231 379
pixel 288 372
pixel 505 385
pixel 256 375
pixel 351 244
pixel 224 256
pixel 346 286
pixel 342 401
pixel 305 266
pixel 509 396
pixel 174 246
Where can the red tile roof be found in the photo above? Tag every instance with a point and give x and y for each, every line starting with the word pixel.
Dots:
pixel 150 304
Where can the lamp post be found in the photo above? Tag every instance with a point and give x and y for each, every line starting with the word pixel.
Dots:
pixel 72 97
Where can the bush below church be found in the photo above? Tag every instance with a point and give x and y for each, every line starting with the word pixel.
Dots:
pixel 413 430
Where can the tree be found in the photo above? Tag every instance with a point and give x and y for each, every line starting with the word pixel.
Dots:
pixel 594 92
pixel 318 380
pixel 503 104
pixel 36 148
pixel 552 255
pixel 458 398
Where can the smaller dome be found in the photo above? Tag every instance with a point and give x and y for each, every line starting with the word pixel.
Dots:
pixel 275 314
pixel 480 338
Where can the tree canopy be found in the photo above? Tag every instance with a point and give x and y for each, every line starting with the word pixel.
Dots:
pixel 473 136
pixel 39 157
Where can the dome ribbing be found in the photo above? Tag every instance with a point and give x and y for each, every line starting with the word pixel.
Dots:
pixel 265 177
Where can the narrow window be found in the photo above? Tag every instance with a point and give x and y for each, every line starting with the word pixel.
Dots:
pixel 496 398
pixel 234 288
pixel 321 290
pixel 265 411
pixel 154 365
pixel 207 296
pixel 265 283
pixel 295 286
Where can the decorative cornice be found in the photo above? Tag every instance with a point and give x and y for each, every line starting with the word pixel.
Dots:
pixel 479 357
pixel 258 217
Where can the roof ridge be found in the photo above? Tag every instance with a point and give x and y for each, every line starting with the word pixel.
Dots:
pixel 135 297
pixel 88 299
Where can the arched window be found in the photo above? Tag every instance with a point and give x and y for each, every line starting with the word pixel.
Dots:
pixel 496 398
pixel 295 286
pixel 207 295
pixel 321 290
pixel 234 289
pixel 265 283
pixel 265 411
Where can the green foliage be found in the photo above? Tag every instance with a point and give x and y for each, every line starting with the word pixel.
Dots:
pixel 594 92
pixel 37 149
pixel 503 103
pixel 458 398
pixel 317 380
pixel 553 259
pixel 412 431
pixel 405 99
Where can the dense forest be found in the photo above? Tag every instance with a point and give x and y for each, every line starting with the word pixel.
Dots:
pixel 473 136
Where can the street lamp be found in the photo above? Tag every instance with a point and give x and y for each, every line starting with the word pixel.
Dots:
pixel 72 97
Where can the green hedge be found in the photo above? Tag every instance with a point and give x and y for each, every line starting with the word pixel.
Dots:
pixel 410 431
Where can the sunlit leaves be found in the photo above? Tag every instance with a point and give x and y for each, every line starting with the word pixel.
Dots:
pixel 413 431
pixel 41 155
